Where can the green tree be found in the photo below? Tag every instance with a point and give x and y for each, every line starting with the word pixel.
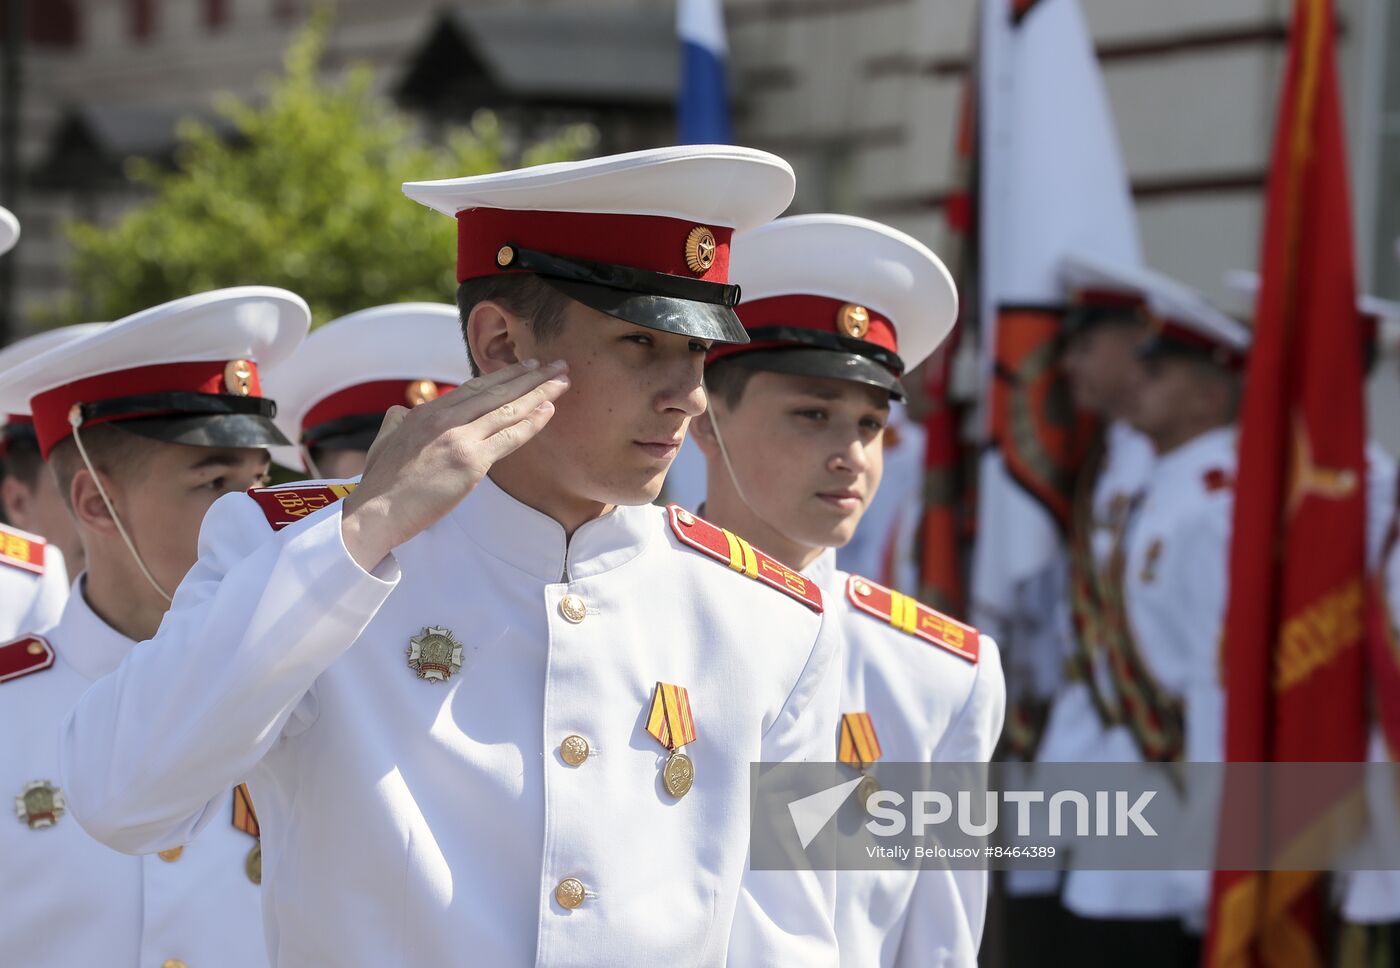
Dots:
pixel 306 196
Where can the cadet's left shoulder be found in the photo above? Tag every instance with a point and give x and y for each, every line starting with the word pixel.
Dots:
pixel 913 617
pixel 22 550
pixel 725 546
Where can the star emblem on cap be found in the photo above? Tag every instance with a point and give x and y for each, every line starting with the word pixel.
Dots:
pixel 238 378
pixel 700 248
pixel 419 392
pixel 853 320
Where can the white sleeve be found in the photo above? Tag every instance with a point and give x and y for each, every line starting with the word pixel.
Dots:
pixel 154 745
pixel 949 907
pixel 788 917
pixel 49 597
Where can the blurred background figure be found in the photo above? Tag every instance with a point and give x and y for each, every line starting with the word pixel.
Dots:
pixel 332 393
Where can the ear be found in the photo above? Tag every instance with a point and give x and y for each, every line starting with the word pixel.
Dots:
pixel 89 510
pixel 15 499
pixel 492 334
pixel 702 431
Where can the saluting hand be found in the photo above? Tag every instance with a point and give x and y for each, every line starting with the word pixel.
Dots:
pixel 425 460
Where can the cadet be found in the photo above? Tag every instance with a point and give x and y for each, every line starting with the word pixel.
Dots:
pixel 29 497
pixel 145 423
pixel 1106 320
pixel 1171 567
pixel 836 309
pixel 333 392
pixel 33 572
pixel 506 717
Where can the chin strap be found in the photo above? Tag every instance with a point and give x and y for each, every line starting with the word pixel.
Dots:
pixel 311 467
pixel 76 421
pixel 734 477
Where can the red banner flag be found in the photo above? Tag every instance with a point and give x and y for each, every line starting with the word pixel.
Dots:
pixel 1292 655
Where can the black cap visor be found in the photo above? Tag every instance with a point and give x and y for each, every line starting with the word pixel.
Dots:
pixel 194 419
pixel 210 430
pixel 656 300
pixel 811 361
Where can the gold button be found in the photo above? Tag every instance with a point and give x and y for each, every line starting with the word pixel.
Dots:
pixel 174 963
pixel 574 749
pixel 685 517
pixel 171 855
pixel 35 649
pixel 572 608
pixel 862 588
pixel 569 893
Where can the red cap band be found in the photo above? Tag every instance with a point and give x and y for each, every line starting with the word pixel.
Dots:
pixel 1175 332
pixel 371 398
pixel 818 313
pixel 1109 297
pixel 51 408
pixel 651 242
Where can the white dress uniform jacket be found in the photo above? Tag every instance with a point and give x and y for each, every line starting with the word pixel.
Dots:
pixel 67 900
pixel 407 821
pixel 1176 588
pixel 1373 897
pixel 927 704
pixel 33 583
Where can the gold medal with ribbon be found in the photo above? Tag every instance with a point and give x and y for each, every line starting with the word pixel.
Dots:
pixel 672 725
pixel 859 746
pixel 245 818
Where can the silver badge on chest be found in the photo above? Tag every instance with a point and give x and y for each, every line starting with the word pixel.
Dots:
pixel 435 654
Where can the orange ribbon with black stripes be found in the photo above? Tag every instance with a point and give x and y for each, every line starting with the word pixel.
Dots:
pixel 859 746
pixel 672 724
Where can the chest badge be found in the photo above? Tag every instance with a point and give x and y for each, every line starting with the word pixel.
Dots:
pixel 671 723
pixel 859 747
pixel 40 804
pixel 435 654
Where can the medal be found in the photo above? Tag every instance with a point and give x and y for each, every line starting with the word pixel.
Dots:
pixel 434 654
pixel 859 747
pixel 245 818
pixel 671 723
pixel 39 805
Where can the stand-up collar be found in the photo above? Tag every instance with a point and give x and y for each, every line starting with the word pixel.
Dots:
pixel 823 572
pixel 84 640
pixel 535 543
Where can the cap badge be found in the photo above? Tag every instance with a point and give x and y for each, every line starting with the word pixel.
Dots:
pixel 238 377
pixel 435 654
pixel 671 724
pixel 700 248
pixel 40 804
pixel 853 320
pixel 420 391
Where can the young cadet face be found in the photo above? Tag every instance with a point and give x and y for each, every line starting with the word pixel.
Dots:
pixel 807 452
pixel 162 494
pixel 1103 368
pixel 40 509
pixel 633 392
pixel 342 463
pixel 1180 398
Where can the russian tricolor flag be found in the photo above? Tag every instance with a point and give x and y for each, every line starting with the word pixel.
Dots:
pixel 702 109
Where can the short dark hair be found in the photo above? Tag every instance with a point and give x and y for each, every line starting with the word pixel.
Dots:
pixel 22 460
pixel 110 448
pixel 726 379
pixel 524 294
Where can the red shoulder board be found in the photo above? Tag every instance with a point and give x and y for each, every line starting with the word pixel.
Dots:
pixel 290 503
pixel 912 616
pixel 734 551
pixel 22 550
pixel 1217 479
pixel 23 656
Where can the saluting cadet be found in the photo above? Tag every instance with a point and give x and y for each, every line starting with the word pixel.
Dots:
pixel 836 309
pixel 494 707
pixel 1171 567
pixel 144 423
pixel 333 392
